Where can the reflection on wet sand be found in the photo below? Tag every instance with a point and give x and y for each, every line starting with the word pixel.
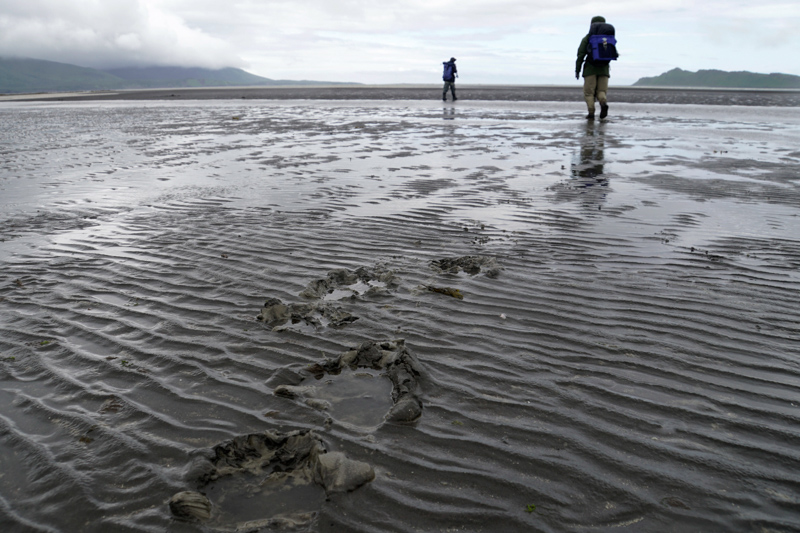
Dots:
pixel 588 183
pixel 589 165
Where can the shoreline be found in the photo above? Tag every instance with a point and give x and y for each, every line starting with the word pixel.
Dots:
pixel 513 93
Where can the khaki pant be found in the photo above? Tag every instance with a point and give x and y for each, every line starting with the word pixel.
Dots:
pixel 449 85
pixel 595 87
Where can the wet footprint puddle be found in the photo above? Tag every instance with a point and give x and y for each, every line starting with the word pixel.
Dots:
pixel 247 500
pixel 374 383
pixel 356 289
pixel 358 398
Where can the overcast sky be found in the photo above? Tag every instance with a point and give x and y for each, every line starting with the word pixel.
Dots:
pixel 405 41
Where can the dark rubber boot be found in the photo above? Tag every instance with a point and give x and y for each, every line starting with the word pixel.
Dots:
pixel 603 110
pixel 590 116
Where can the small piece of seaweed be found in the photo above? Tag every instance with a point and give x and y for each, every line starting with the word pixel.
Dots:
pixel 455 293
pixel 530 508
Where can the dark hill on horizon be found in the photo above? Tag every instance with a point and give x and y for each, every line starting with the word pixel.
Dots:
pixel 160 77
pixel 25 75
pixel 721 79
pixel 18 75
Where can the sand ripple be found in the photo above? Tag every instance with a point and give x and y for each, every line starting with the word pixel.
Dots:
pixel 631 362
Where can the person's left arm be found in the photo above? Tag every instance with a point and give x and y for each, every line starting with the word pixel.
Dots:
pixel 583 50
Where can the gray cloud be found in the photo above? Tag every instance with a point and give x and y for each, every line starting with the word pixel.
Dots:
pixel 392 41
pixel 98 33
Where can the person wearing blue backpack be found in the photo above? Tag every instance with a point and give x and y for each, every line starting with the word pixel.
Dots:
pixel 449 76
pixel 595 54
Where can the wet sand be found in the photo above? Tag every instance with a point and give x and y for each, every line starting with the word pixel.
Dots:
pixel 495 316
pixel 466 93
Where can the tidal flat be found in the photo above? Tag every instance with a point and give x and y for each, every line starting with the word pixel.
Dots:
pixel 399 316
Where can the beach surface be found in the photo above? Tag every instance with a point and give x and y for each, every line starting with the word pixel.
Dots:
pixel 465 92
pixel 392 315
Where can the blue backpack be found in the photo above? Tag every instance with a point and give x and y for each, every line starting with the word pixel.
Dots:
pixel 602 42
pixel 447 75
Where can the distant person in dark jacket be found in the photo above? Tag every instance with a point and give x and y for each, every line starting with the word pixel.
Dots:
pixel 595 77
pixel 449 77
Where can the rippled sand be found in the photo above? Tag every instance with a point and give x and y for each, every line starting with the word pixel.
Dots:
pixel 624 355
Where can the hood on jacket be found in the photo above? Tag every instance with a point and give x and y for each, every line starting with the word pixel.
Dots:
pixel 598 19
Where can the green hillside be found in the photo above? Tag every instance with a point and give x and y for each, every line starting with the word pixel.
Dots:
pixel 159 77
pixel 20 75
pixel 720 78
pixel 156 77
pixel 35 75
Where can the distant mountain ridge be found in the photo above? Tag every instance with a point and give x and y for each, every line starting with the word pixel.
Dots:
pixel 24 75
pixel 36 75
pixel 720 78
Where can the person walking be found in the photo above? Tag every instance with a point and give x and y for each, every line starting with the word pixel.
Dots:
pixel 449 76
pixel 595 73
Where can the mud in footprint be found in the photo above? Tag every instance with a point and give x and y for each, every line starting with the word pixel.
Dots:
pixel 343 283
pixel 375 383
pixel 281 316
pixel 340 284
pixel 470 264
pixel 267 480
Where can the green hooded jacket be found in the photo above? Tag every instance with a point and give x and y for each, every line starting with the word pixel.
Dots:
pixel 590 68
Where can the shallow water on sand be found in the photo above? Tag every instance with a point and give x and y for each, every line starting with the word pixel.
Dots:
pixel 633 364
